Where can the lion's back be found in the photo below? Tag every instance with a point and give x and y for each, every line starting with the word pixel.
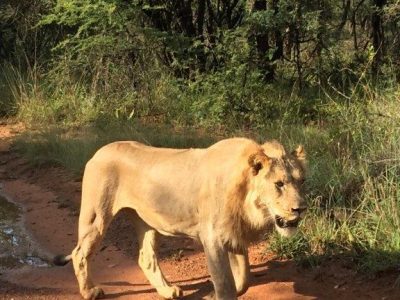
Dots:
pixel 166 186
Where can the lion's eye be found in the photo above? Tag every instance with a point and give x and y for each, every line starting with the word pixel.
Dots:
pixel 279 184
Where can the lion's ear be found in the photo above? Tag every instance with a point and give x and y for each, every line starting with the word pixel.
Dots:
pixel 300 154
pixel 257 161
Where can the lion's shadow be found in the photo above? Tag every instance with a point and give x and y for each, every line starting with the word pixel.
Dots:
pixel 273 271
pixel 320 277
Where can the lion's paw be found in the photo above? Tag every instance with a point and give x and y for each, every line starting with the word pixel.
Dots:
pixel 93 293
pixel 170 292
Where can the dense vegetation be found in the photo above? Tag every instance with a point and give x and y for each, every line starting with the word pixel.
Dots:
pixel 193 62
pixel 323 73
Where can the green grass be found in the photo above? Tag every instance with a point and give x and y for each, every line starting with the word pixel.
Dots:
pixel 354 188
pixel 72 148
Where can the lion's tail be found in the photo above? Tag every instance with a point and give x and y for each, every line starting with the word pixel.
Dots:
pixel 62 260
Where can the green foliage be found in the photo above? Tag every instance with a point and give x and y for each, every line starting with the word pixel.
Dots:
pixel 294 248
pixel 135 59
pixel 237 98
pixel 98 29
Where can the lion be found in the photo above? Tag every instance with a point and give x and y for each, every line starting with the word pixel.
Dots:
pixel 223 196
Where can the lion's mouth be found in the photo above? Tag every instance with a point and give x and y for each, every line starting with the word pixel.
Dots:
pixel 282 223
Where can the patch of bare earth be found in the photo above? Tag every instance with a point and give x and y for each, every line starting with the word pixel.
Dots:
pixel 50 197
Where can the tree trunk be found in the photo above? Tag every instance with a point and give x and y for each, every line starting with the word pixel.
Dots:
pixel 278 53
pixel 200 34
pixel 297 46
pixel 378 38
pixel 262 45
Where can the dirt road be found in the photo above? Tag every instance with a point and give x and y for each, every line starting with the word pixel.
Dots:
pixel 49 198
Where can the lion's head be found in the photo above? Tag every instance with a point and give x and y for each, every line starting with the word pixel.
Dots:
pixel 275 191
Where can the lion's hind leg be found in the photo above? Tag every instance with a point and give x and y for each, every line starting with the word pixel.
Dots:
pixel 148 261
pixel 91 231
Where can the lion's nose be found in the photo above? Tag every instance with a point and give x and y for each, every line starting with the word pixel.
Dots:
pixel 299 210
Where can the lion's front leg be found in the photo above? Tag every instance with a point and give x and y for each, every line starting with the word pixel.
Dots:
pixel 220 270
pixel 239 261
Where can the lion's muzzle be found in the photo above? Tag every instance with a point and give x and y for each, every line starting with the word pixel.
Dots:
pixel 282 223
pixel 285 223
